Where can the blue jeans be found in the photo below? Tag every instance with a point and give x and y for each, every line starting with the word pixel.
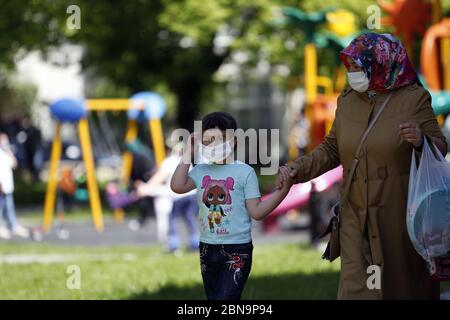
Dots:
pixel 7 209
pixel 187 208
pixel 225 269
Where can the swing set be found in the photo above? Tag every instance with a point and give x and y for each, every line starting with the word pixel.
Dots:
pixel 143 107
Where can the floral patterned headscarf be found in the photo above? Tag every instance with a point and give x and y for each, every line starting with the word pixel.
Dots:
pixel 383 59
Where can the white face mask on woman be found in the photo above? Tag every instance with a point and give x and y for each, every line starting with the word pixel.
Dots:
pixel 358 81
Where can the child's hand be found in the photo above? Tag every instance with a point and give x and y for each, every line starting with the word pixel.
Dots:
pixel 285 181
pixel 281 178
pixel 292 172
pixel 138 183
pixel 190 148
pixel 141 191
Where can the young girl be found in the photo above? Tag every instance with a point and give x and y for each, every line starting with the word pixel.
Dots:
pixel 228 197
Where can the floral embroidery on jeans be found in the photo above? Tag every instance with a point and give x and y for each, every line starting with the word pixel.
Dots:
pixel 202 255
pixel 235 263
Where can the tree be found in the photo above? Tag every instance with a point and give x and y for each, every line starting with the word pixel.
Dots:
pixel 26 25
pixel 139 44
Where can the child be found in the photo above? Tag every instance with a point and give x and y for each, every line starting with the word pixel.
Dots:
pixel 184 206
pixel 228 197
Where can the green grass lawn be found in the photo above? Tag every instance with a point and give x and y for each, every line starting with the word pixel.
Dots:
pixel 285 271
pixel 280 271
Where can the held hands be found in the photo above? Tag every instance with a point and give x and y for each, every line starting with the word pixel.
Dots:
pixel 140 188
pixel 284 179
pixel 291 175
pixel 411 132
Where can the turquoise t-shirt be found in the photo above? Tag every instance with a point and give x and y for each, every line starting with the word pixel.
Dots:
pixel 221 194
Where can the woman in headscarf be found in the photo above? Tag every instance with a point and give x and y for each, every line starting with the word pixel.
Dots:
pixel 373 220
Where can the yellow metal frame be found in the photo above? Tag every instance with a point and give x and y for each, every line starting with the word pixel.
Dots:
pixel 88 159
pixel 50 195
pixel 445 61
pixel 157 139
pixel 326 83
pixel 310 78
pixel 310 72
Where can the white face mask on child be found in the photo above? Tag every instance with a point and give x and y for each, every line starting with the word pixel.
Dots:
pixel 358 81
pixel 216 153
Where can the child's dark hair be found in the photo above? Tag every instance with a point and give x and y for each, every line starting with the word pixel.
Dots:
pixel 220 120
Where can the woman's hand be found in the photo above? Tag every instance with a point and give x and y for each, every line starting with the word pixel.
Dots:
pixel 289 175
pixel 284 181
pixel 411 132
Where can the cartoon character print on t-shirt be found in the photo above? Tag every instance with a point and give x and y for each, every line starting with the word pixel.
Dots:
pixel 216 194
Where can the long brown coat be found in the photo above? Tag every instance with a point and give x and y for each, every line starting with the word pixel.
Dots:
pixel 373 231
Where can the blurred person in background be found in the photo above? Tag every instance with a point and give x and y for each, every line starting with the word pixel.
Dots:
pixel 142 170
pixel 32 145
pixel 7 163
pixel 170 207
pixel 301 133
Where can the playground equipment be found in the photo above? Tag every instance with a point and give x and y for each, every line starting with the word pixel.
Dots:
pixel 148 107
pixel 308 22
pixel 341 30
pixel 435 65
pixel 408 17
pixel 435 56
pixel 320 108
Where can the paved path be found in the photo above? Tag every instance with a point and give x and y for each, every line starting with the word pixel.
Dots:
pixel 82 233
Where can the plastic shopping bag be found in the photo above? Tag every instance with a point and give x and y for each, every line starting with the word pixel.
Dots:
pixel 428 212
